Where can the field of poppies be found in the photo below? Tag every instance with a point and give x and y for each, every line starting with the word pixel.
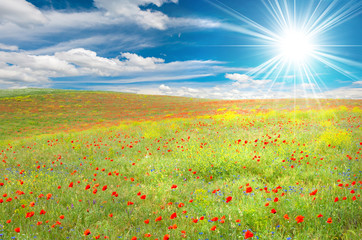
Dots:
pixel 96 165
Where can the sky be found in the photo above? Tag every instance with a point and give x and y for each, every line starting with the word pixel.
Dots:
pixel 223 49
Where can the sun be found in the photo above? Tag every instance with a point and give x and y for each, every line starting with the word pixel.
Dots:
pixel 295 46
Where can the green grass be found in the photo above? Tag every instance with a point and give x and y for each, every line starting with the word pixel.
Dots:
pixel 199 154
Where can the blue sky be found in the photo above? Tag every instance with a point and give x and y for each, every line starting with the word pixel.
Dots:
pixel 230 49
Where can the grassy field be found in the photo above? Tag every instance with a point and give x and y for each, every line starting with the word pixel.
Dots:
pixel 95 165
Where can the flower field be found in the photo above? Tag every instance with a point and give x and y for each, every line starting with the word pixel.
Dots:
pixel 96 165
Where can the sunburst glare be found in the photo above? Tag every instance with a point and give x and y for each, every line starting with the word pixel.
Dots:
pixel 294 36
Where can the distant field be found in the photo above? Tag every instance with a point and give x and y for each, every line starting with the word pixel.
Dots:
pixel 91 165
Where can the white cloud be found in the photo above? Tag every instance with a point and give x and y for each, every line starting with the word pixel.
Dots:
pixel 241 78
pixel 8 47
pixel 345 92
pixel 357 83
pixel 17 67
pixel 130 10
pixel 21 13
pixel 245 81
pixel 165 88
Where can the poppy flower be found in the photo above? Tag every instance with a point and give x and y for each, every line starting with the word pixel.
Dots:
pixel 249 190
pixel 166 237
pixel 104 188
pixel 202 218
pixel 213 228
pixel 299 219
pixel 313 193
pixel 214 219
pixel 39 223
pixel 276 199
pixel 42 212
pixel 173 186
pixel 29 214
pixel 248 234
pixel 336 199
pixel 71 185
pixel 134 238
pixel 181 205
pixel 17 230
pixel 87 187
pixel 129 203
pixel 273 211
pixel 329 220
pixel 158 219
pixel 173 216
pixel 320 215
pixel 143 197
pixel 147 221
pixel 61 217
pixel 228 199
pixel 87 232
pixel 195 220
pixel 8 221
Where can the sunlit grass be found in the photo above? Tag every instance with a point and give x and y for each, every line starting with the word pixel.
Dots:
pixel 190 165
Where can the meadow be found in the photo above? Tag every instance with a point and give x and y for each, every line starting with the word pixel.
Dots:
pixel 96 165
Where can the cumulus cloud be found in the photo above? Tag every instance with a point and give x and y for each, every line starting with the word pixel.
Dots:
pixel 8 47
pixel 357 83
pixel 245 81
pixel 242 78
pixel 21 13
pixel 19 67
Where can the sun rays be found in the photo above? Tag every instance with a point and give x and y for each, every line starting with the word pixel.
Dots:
pixel 296 34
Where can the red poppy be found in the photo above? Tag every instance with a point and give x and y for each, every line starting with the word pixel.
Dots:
pixel 17 229
pixel 314 192
pixel 286 216
pixel 143 197
pixel 173 216
pixel 129 203
pixel 299 219
pixel 320 215
pixel 173 186
pixel 147 221
pixel 158 219
pixel 228 199
pixel 87 232
pixel 214 219
pixel 42 212
pixel 87 187
pixel 249 190
pixel 104 188
pixel 166 237
pixel 273 211
pixel 61 217
pixel 29 214
pixel 213 228
pixel 329 220
pixel 248 234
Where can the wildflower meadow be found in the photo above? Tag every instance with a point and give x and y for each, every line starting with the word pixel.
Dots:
pixel 104 165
